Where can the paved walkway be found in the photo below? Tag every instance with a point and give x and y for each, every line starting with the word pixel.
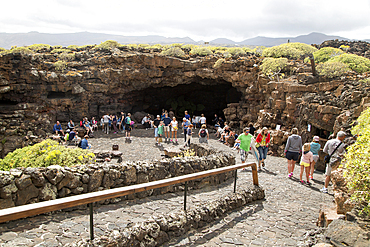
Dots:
pixel 287 213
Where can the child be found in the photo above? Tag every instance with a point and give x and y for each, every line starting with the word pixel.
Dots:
pixel 315 148
pixel 188 135
pixel 160 132
pixel 306 160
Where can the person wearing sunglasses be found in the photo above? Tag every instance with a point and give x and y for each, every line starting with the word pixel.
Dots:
pixel 245 144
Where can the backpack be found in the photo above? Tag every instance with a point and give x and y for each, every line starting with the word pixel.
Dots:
pixel 81 124
pixel 79 144
pixel 127 121
pixel 203 133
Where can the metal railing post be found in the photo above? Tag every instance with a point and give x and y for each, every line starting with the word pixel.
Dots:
pixel 185 194
pixel 91 221
pixel 235 177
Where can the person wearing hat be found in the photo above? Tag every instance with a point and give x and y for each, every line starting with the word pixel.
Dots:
pixel 156 123
pixel 315 148
pixel 335 148
pixel 262 144
pixel 306 160
pixel 84 144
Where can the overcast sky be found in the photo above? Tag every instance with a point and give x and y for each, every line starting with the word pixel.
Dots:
pixel 199 20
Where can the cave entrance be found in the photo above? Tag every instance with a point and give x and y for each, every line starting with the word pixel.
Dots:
pixel 194 97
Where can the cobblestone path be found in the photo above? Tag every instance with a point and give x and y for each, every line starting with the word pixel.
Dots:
pixel 282 219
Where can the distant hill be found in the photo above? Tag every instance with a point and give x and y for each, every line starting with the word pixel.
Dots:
pixel 8 40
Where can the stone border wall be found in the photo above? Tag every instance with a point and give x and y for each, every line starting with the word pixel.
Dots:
pixel 30 185
pixel 160 229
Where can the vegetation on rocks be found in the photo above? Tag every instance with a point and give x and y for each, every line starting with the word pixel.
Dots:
pixel 60 65
pixel 289 50
pixel 39 47
pixel 46 153
pixel 200 51
pixel 271 66
pixel 332 69
pixel 236 51
pixel 174 52
pixel 107 45
pixel 357 163
pixel 324 54
pixel 13 50
pixel 219 63
pixel 357 63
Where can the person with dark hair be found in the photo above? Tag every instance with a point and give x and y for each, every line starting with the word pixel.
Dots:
pixel 70 125
pixel 57 128
pixel 262 144
pixel 293 149
pixel 128 126
pixel 251 129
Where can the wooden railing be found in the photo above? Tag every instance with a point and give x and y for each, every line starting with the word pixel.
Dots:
pixel 14 213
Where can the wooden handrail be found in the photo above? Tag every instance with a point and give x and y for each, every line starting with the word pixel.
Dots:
pixel 72 201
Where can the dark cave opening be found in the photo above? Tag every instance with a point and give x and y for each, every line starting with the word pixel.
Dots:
pixel 191 97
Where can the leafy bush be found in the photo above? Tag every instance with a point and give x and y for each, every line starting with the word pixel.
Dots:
pixel 200 51
pixel 217 49
pixel 259 50
pixel 107 45
pixel 357 163
pixel 60 50
pixel 174 52
pixel 22 50
pixel 156 46
pixel 188 46
pixel 39 47
pixel 332 69
pixel 289 50
pixel 271 66
pixel 236 51
pixel 73 47
pixel 356 63
pixel 324 54
pixel 67 56
pixel 219 63
pixel 46 153
pixel 60 65
pixel 2 49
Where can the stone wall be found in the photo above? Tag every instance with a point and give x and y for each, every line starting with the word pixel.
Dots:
pixel 160 229
pixel 30 185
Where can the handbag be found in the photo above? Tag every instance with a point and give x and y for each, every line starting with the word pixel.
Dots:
pixel 327 157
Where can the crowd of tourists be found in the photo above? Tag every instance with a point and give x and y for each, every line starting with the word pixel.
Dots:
pixel 250 141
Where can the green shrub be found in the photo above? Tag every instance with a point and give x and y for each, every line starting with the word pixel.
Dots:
pixel 39 47
pixel 289 50
pixel 156 46
pixel 174 52
pixel 44 154
pixel 73 47
pixel 2 49
pixel 60 50
pixel 201 51
pixel 324 54
pixel 21 50
pixel 107 45
pixel 236 51
pixel 57 47
pixel 67 56
pixel 357 163
pixel 247 49
pixel 60 65
pixel 258 50
pixel 332 69
pixel 218 49
pixel 176 45
pixel 219 63
pixel 188 46
pixel 356 63
pixel 270 66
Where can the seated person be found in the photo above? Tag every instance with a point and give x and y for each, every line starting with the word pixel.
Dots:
pixel 229 139
pixel 94 124
pixel 57 129
pixel 86 124
pixel 146 122
pixel 84 143
pixel 70 125
pixel 226 132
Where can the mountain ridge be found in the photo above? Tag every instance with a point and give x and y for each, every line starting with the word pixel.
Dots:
pixel 7 40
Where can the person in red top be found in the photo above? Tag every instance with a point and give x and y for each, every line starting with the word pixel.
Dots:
pixel 263 140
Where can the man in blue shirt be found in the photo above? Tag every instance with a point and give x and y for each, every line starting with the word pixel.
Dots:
pixel 166 121
pixel 185 125
pixel 58 128
pixel 187 116
pixel 84 144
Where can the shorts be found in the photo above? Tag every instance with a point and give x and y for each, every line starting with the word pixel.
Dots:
pixel 243 155
pixel 316 158
pixel 203 140
pixel 156 132
pixel 292 155
pixel 166 128
pixel 174 129
pixel 128 127
pixel 329 168
pixel 305 164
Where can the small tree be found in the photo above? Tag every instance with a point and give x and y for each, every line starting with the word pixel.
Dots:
pixel 273 66
pixel 174 52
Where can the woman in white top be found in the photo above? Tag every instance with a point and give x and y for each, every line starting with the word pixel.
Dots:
pixel 174 127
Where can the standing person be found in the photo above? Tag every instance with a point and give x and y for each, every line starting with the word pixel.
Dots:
pixel 189 133
pixel 166 122
pixel 174 127
pixel 203 134
pixel 202 120
pixel 122 125
pixel 187 116
pixel 315 148
pixel 215 122
pixel 128 126
pixel 252 129
pixel 185 124
pixel 160 132
pixel 57 128
pixel 114 123
pixel 293 148
pixel 106 119
pixel 335 149
pixel 306 160
pixel 263 140
pixel 156 123
pixel 245 144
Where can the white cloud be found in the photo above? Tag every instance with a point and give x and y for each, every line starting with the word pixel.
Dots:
pixel 205 20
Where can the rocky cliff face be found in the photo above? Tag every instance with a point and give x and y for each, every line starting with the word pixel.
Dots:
pixel 36 90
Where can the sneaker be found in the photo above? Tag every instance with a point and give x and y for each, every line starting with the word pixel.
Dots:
pixel 259 169
pixel 303 182
pixel 324 190
pixel 263 164
pixel 308 183
pixel 311 177
pixel 290 175
pixel 171 140
pixel 176 140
